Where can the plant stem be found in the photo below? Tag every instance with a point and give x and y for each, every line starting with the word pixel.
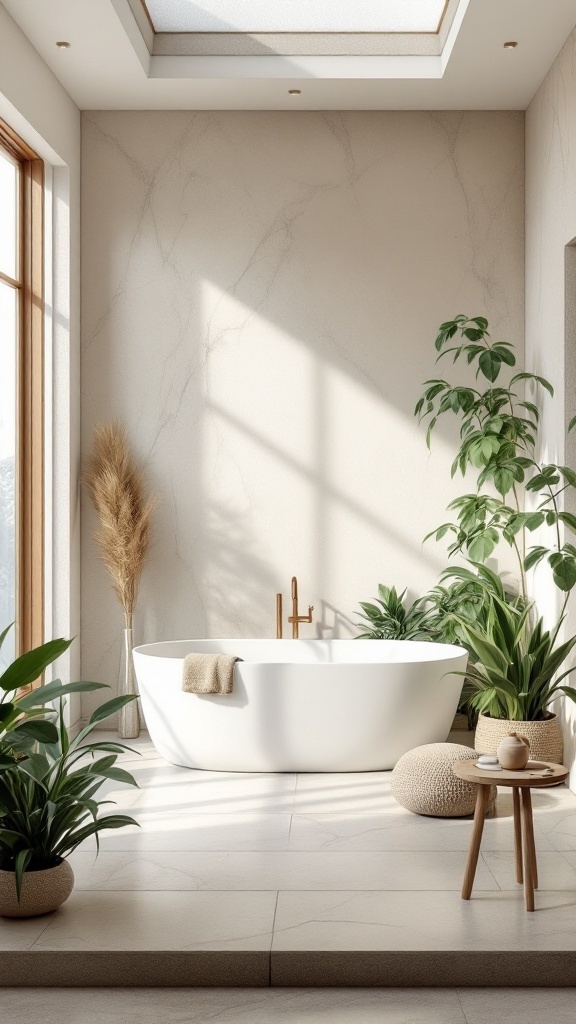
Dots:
pixel 521 554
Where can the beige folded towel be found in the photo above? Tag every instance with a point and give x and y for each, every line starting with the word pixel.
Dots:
pixel 208 673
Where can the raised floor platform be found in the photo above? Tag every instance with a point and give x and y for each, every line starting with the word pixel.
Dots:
pixel 309 880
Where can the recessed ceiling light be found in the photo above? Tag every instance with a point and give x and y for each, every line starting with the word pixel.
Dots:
pixel 294 92
pixel 510 45
pixel 63 44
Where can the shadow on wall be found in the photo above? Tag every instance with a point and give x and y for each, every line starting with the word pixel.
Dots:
pixel 264 289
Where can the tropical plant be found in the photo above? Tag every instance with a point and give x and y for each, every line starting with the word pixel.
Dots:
pixel 48 782
pixel 498 435
pixel 25 714
pixel 514 663
pixel 392 618
pixel 460 596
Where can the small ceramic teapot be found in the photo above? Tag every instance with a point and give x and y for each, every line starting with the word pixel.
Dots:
pixel 513 752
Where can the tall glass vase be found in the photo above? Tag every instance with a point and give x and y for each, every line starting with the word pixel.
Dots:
pixel 129 717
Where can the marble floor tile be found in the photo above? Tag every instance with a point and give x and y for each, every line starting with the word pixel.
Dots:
pixel 21 933
pixel 559 828
pixel 233 1006
pixel 423 921
pixel 271 871
pixel 400 832
pixel 161 920
pixel 163 786
pixel 555 872
pixel 548 804
pixel 174 830
pixel 361 792
pixel 518 1005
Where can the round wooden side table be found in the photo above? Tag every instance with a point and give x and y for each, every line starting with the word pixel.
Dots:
pixel 536 774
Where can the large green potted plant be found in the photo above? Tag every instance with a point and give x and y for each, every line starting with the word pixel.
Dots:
pixel 48 784
pixel 498 439
pixel 514 678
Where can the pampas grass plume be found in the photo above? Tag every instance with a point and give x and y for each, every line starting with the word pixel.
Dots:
pixel 115 484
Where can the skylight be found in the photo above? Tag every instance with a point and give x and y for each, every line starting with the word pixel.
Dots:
pixel 254 16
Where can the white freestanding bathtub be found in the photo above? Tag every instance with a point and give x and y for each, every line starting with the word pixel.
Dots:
pixel 302 705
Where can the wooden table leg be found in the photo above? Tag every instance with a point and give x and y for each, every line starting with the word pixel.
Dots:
pixel 530 870
pixel 517 833
pixel 482 800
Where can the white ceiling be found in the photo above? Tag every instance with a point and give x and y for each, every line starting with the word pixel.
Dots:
pixel 295 15
pixel 109 64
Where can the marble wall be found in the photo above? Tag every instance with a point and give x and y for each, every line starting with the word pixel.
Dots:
pixel 260 298
pixel 551 282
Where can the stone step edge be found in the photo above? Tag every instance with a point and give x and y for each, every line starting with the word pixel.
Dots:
pixel 261 969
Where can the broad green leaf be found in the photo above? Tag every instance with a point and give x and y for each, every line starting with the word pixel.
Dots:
pixel 6 710
pixel 36 766
pixel 563 570
pixel 40 730
pixel 533 376
pixel 28 667
pixel 110 708
pixel 569 519
pixel 503 481
pixel 534 556
pixel 489 363
pixel 505 354
pixel 568 474
pixel 54 690
pixel 119 775
pixel 569 691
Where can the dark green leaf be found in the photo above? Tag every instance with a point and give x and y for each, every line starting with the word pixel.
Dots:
pixel 489 363
pixel 535 556
pixel 569 691
pixel 39 729
pixel 110 708
pixel 56 689
pixel 533 376
pixel 28 667
pixel 563 570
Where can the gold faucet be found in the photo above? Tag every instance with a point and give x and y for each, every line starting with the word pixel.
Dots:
pixel 295 618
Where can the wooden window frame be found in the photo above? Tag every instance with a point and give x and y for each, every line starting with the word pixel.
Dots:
pixel 30 396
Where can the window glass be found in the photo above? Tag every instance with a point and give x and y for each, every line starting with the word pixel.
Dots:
pixel 9 175
pixel 8 356
pixel 296 15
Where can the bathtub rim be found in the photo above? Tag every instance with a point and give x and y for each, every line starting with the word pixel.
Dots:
pixel 439 652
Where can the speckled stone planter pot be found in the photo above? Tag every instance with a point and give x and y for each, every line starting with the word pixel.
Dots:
pixel 42 891
pixel 545 737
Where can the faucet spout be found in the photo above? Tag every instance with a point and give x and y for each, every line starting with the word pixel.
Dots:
pixel 296 618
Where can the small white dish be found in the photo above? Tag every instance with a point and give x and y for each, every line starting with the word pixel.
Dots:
pixel 489 767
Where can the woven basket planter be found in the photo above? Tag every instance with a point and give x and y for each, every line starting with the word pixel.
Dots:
pixel 545 737
pixel 42 891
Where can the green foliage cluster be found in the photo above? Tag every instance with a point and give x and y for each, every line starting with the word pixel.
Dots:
pixel 514 663
pixel 498 432
pixel 392 618
pixel 513 658
pixel 48 782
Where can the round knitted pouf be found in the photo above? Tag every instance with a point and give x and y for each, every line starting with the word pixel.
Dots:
pixel 423 781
